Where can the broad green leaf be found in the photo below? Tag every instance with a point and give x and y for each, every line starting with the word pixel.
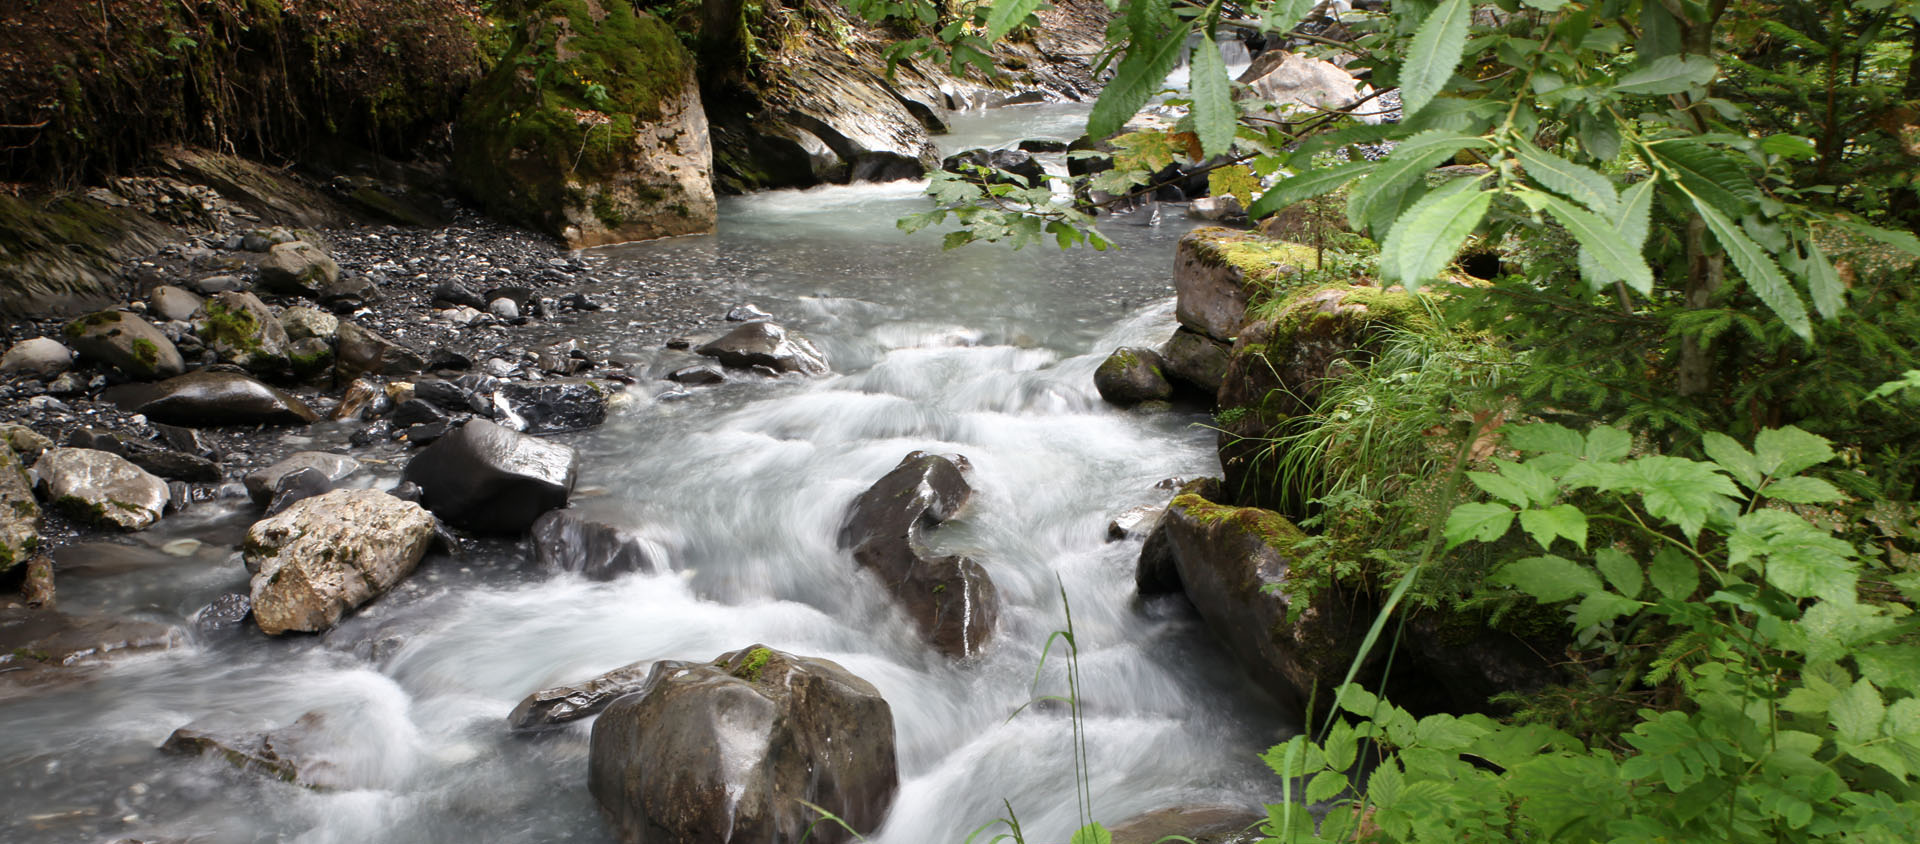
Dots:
pixel 1214 114
pixel 1306 186
pixel 1803 491
pixel 1342 746
pixel 1446 732
pixel 1857 712
pixel 1789 451
pixel 1903 241
pixel 1477 521
pixel 1598 236
pixel 1835 628
pixel 1814 696
pixel 1829 294
pixel 1789 146
pixel 1284 15
pixel 1549 579
pixel 1673 574
pixel 1140 74
pixel 1631 223
pixel 1734 458
pixel 1680 491
pixel 1235 180
pixel 1546 438
pixel 1007 15
pixel 1092 833
pixel 1800 559
pixel 1503 488
pixel 1430 233
pixel 1890 665
pixel 1326 785
pixel 1576 182
pixel 1761 273
pixel 1387 186
pixel 1622 571
pixel 1547 5
pixel 1607 444
pixel 1602 606
pixel 1435 52
pixel 1560 520
pixel 1668 75
pixel 1539 486
pixel 1709 174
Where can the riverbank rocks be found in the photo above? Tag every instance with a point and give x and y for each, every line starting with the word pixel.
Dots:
pixel 950 598
pixel 1195 360
pixel 297 268
pixel 1132 375
pixel 38 357
pixel 622 155
pixel 554 708
pixel 362 351
pixel 725 752
pixel 769 345
pixel 1016 167
pixel 557 407
pixel 329 554
pixel 240 330
pixel 125 342
pixel 598 548
pixel 261 483
pixel 487 479
pixel 1218 271
pixel 208 399
pixel 1227 558
pixel 174 304
pixel 19 513
pixel 101 488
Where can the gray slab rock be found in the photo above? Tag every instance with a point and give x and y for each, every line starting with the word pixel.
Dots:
pixel 261 482
pixel 101 488
pixel 125 342
pixel 38 357
pixel 554 708
pixel 766 344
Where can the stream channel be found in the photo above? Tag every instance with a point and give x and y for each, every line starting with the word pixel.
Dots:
pixel 983 351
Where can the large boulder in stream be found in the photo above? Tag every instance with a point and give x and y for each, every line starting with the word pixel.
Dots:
pixel 101 488
pixel 487 479
pixel 612 150
pixel 766 344
pixel 210 399
pixel 1132 375
pixel 949 597
pixel 328 554
pixel 125 342
pixel 725 752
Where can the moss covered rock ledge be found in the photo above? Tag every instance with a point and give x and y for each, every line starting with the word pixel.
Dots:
pixel 590 129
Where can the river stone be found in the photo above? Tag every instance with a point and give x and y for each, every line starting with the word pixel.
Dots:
pixel 551 709
pixel 19 513
pixel 101 488
pixel 164 462
pixel 297 268
pixel 38 357
pixel 1198 824
pixel 766 344
pixel 554 407
pixel 1196 360
pixel 360 351
pixel 24 441
pixel 725 752
pixel 174 304
pixel 1155 573
pixel 949 597
pixel 1298 84
pixel 697 375
pixel 303 322
pixel 1134 522
pixel 125 342
pixel 209 399
pixel 1132 375
pixel 329 554
pixel 1017 167
pixel 571 540
pixel 487 479
pixel 240 330
pixel 335 467
pixel 296 753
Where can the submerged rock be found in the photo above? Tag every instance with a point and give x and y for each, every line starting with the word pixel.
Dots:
pixel 211 399
pixel 551 709
pixel 1198 824
pixel 101 488
pixel 329 554
pixel 570 540
pixel 125 342
pixel 769 345
pixel 725 752
pixel 37 644
pixel 487 479
pixel 296 753
pixel 949 597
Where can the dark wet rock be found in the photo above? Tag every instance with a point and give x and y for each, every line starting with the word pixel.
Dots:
pixel 580 302
pixel 697 375
pixel 680 344
pixel 766 344
pixel 101 488
pixel 1196 360
pixel 554 407
pixel 36 644
pixel 164 462
pixel 949 597
pixel 294 754
pixel 211 399
pixel 449 294
pixel 426 433
pixel 1134 522
pixel 297 268
pixel 19 513
pixel 728 751
pixel 295 487
pixel 329 554
pixel 362 351
pixel 747 313
pixel 1198 824
pixel 179 496
pixel 174 304
pixel 347 294
pixel 1042 145
pixel 187 441
pixel 416 412
pixel 406 491
pixel 1016 167
pixel 125 342
pixel 441 359
pixel 554 708
pixel 487 479
pixel 1132 375
pixel 1156 573
pixel 449 396
pixel 227 612
pixel 38 357
pixel 262 483
pixel 574 541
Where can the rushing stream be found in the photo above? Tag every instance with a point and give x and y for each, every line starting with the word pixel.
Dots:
pixel 983 352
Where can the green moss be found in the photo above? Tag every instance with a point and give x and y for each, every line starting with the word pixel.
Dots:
pixel 1272 529
pixel 755 663
pixel 146 352
pixel 1264 263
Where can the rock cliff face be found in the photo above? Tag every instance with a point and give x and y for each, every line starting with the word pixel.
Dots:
pixel 590 129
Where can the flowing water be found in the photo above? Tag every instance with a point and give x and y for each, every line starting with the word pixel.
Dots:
pixel 983 352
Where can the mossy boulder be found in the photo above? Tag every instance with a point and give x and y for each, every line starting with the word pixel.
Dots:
pixel 19 513
pixel 1132 375
pixel 590 128
pixel 1218 272
pixel 297 268
pixel 240 329
pixel 1196 360
pixel 125 342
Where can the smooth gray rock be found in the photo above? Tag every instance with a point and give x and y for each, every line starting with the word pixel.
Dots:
pixel 487 479
pixel 361 351
pixel 1296 84
pixel 725 752
pixel 297 268
pixel 303 322
pixel 335 467
pixel 551 709
pixel 951 598
pixel 766 344
pixel 174 304
pixel 210 399
pixel 101 488
pixel 125 342
pixel 38 357
pixel 329 554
